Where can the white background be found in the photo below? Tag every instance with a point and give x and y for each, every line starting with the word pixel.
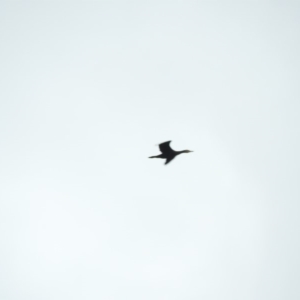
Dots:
pixel 88 89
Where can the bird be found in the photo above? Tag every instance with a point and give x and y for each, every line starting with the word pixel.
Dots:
pixel 167 152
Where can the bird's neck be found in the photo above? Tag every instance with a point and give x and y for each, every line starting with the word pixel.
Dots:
pixel 183 151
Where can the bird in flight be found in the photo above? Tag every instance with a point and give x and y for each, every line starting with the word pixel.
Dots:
pixel 167 152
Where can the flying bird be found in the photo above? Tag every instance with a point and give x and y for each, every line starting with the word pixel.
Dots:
pixel 167 152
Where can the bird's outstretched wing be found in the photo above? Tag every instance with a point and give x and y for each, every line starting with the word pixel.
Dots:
pixel 165 147
pixel 168 160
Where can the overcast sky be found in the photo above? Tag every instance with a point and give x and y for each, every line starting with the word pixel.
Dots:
pixel 88 91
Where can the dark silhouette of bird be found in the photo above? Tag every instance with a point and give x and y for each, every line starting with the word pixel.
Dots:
pixel 167 152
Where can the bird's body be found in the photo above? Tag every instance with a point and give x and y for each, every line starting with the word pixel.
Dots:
pixel 167 152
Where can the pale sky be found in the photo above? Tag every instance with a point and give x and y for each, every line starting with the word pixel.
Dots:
pixel 88 91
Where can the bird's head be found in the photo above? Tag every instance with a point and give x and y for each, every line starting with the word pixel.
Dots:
pixel 187 151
